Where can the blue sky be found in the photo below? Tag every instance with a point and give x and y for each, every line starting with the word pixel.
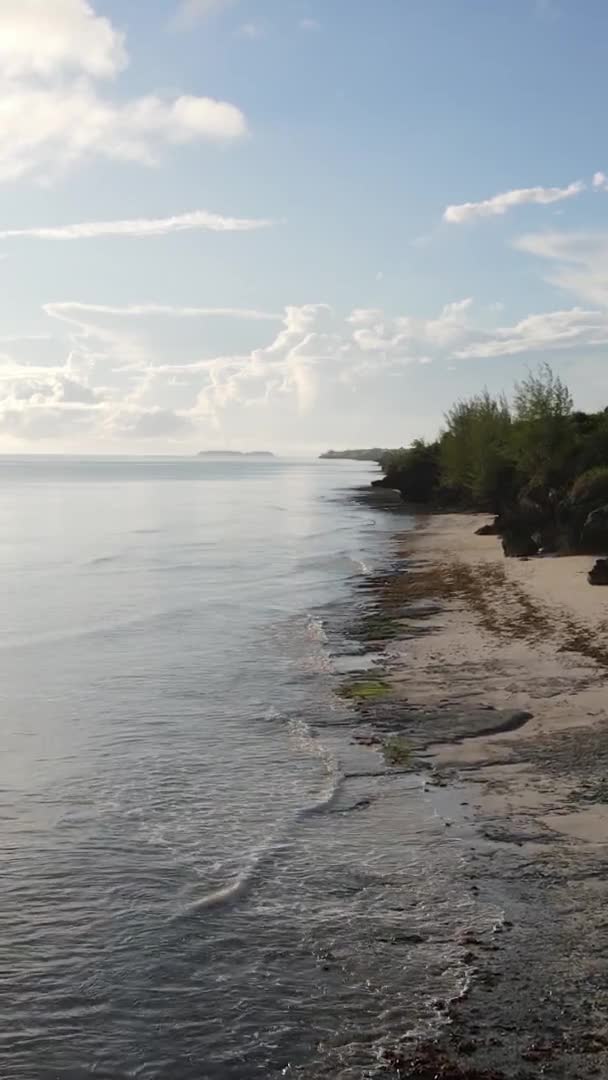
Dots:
pixel 290 224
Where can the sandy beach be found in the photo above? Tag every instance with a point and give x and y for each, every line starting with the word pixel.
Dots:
pixel 486 638
pixel 531 638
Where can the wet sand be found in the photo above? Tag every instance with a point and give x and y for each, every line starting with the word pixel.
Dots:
pixel 499 676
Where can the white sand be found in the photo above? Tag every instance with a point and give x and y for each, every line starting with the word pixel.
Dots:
pixel 464 662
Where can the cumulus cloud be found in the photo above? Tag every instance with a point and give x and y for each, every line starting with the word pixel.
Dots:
pixel 42 389
pixel 70 123
pixel 500 204
pixel 52 113
pixel 130 375
pixel 600 181
pixel 141 227
pixel 46 39
pixel 407 334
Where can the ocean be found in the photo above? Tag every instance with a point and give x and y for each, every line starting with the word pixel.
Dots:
pixel 203 876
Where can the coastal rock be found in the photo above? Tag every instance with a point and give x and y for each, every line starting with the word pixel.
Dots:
pixel 598 575
pixel 488 530
pixel 594 534
pixel 519 545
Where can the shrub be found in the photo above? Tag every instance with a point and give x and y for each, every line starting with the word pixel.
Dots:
pixel 413 471
pixel 591 487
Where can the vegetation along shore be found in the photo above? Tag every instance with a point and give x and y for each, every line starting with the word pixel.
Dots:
pixel 537 464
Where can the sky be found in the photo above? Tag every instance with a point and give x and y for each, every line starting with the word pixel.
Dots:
pixel 291 225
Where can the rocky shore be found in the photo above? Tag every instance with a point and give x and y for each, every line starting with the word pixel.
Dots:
pixel 494 683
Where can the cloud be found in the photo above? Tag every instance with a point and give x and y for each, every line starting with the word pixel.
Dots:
pixel 54 388
pixel 141 227
pixel 191 11
pixel 153 423
pixel 52 113
pixel 600 181
pixel 501 204
pixel 252 30
pixel 69 124
pixel 548 331
pixel 579 261
pixel 47 39
pixel 310 26
pixel 68 309
pixel 408 335
pixel 130 375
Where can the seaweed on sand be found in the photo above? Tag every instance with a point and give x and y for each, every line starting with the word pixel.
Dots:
pixel 378 627
pixel 364 690
pixel 397 751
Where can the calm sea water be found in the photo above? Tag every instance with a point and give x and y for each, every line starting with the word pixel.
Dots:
pixel 202 876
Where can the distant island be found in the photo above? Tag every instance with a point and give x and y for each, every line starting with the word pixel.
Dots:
pixel 375 454
pixel 235 453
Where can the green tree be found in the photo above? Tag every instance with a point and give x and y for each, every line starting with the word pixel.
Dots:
pixel 544 435
pixel 475 450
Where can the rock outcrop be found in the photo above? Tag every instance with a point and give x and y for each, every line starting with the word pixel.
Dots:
pixel 598 575
pixel 594 534
pixel 488 530
pixel 519 545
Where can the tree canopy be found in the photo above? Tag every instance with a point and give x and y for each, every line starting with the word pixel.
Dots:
pixel 493 452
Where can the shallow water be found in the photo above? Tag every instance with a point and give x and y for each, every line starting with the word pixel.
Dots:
pixel 203 876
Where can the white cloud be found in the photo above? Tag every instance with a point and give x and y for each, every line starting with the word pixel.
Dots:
pixel 310 25
pixel 407 335
pixel 52 114
pixel 500 204
pixel 69 309
pixel 547 331
pixel 140 227
pixel 47 37
pixel 191 11
pixel 152 423
pixel 44 131
pixel 54 388
pixel 131 375
pixel 579 261
pixel 252 30
pixel 600 181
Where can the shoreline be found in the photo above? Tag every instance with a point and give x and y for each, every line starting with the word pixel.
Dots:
pixel 496 672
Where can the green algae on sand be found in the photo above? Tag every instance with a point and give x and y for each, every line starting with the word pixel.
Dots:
pixel 364 690
pixel 397 751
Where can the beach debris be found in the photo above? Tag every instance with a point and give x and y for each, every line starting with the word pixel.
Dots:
pixel 598 575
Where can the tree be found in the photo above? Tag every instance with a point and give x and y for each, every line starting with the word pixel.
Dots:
pixel 544 437
pixel 475 454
